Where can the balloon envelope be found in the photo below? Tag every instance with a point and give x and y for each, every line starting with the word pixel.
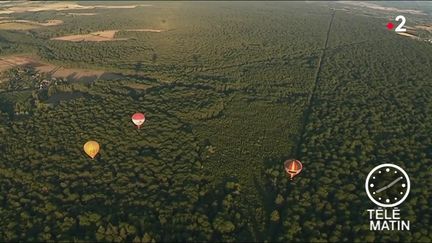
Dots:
pixel 138 119
pixel 91 148
pixel 293 167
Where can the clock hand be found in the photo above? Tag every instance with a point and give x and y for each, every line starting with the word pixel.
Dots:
pixel 389 185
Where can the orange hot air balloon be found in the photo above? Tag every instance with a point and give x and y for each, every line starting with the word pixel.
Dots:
pixel 293 167
pixel 91 148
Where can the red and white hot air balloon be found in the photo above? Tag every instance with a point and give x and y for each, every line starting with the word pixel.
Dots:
pixel 138 119
pixel 293 167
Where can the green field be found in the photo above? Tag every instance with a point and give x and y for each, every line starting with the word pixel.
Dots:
pixel 230 91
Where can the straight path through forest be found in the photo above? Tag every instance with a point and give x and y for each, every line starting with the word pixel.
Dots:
pixel 267 202
pixel 312 95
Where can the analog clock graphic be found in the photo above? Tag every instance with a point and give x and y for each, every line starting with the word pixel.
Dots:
pixel 387 185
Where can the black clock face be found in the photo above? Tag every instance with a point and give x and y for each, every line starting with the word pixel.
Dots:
pixel 387 185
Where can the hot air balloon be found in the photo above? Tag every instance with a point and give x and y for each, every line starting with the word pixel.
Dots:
pixel 293 167
pixel 138 119
pixel 91 148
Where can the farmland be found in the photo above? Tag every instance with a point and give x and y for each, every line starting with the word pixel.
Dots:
pixel 230 91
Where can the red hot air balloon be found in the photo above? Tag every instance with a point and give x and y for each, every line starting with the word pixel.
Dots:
pixel 138 119
pixel 293 167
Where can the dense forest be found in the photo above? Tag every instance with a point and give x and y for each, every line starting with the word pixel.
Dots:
pixel 230 91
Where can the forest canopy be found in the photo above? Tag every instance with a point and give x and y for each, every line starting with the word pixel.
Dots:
pixel 230 91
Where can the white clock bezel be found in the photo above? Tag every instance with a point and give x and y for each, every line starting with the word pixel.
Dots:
pixel 383 204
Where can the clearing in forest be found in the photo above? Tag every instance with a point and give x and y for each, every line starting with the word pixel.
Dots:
pixel 71 74
pixel 106 35
pixel 427 27
pixel 81 14
pixel 37 7
pixel 409 35
pixel 21 24
pixel 12 61
pixel 382 8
